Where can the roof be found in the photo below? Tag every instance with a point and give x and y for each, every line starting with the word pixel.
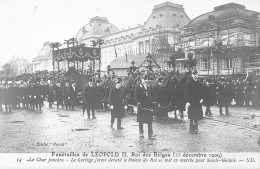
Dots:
pixel 98 26
pixel 120 62
pixel 223 12
pixel 45 53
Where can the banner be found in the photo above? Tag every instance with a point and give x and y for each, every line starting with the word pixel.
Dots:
pixel 81 54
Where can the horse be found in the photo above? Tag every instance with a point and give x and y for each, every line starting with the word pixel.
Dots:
pixel 174 83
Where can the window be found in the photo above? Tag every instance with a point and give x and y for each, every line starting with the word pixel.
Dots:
pixel 205 64
pixel 181 16
pixel 161 15
pixel 228 63
pixel 174 14
pixel 154 17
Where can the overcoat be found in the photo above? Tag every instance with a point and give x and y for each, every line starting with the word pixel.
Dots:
pixel 208 96
pixel 72 96
pixel 161 96
pixel 145 99
pixel 193 95
pixel 90 96
pixel 117 99
pixel 226 94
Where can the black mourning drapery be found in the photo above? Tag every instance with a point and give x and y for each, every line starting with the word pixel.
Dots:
pixel 81 54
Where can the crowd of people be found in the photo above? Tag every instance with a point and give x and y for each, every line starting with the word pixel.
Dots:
pixel 29 91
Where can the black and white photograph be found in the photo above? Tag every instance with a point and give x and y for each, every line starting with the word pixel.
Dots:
pixel 130 83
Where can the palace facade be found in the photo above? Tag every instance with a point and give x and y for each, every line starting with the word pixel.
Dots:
pixel 224 41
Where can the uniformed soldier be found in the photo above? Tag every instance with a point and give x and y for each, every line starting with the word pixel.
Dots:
pixel 65 94
pixel 239 93
pixel 51 98
pixel 38 95
pixel 7 97
pixel 1 96
pixel 208 95
pixel 32 95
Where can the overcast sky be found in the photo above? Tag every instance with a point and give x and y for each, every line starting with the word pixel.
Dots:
pixel 27 24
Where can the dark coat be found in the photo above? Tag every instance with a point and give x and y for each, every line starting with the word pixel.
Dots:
pixel 72 96
pixel 208 96
pixel 144 98
pixel 162 97
pixel 226 94
pixel 193 95
pixel 7 95
pixel 51 93
pixel 90 96
pixel 39 93
pixel 117 99
pixel 58 92
pixel 179 100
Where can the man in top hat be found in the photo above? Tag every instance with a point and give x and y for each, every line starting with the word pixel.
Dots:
pixel 117 103
pixel 144 99
pixel 193 98
pixel 91 98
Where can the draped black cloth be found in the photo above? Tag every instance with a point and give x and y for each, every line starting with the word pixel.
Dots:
pixel 77 54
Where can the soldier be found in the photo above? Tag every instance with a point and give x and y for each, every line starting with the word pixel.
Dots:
pixel 117 103
pixel 91 98
pixel 38 95
pixel 1 96
pixel 32 95
pixel 144 98
pixel 193 97
pixel 207 97
pixel 22 89
pixel 65 94
pixel 59 97
pixel 239 93
pixel 7 97
pixel 72 95
pixel 15 97
pixel 160 98
pixel 226 94
pixel 50 94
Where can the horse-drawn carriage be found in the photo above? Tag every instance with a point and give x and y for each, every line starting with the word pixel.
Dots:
pixel 173 88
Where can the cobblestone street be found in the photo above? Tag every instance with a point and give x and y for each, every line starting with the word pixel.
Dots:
pixel 60 130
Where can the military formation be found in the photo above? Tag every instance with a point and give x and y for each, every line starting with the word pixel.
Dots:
pixel 31 95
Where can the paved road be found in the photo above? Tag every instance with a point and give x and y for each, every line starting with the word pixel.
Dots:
pixel 61 130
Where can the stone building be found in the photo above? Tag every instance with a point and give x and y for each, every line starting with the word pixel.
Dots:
pixel 224 41
pixel 159 31
pixel 43 61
